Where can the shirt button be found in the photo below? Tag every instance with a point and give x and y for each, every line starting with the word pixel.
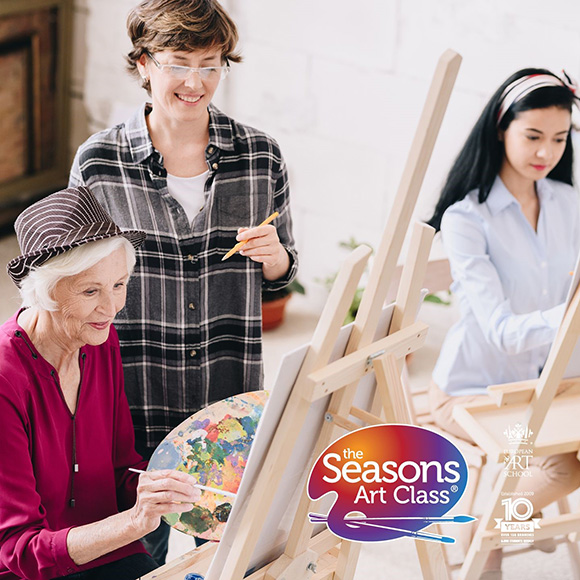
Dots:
pixel 191 306
pixel 201 208
pixel 210 150
pixel 215 165
pixel 190 257
pixel 192 353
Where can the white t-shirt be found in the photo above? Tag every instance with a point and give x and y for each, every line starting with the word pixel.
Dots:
pixel 189 192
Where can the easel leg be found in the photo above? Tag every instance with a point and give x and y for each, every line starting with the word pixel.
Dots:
pixel 482 543
pixel 390 390
pixel 347 560
pixel 432 560
pixel 571 540
pixel 465 505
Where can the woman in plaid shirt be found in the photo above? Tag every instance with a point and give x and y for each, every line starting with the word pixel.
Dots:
pixel 190 177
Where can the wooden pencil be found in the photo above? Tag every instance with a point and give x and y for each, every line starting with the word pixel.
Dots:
pixel 240 245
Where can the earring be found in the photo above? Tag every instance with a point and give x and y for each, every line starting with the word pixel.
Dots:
pixel 145 79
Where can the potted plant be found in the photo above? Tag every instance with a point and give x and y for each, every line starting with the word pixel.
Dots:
pixel 274 304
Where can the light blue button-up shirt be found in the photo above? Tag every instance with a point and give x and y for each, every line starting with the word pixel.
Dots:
pixel 511 283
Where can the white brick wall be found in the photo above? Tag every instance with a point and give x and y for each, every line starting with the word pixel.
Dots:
pixel 341 86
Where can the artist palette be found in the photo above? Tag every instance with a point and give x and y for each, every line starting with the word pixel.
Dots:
pixel 213 446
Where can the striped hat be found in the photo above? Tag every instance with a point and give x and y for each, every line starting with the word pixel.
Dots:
pixel 62 221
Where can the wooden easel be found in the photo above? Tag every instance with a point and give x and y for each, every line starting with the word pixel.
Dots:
pixel 325 556
pixel 554 428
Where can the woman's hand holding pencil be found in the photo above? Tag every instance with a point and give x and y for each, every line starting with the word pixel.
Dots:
pixel 262 244
pixel 249 233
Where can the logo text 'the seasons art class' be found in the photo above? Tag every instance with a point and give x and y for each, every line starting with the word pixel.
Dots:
pixel 390 481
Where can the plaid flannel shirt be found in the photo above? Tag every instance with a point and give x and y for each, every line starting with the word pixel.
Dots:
pixel 190 331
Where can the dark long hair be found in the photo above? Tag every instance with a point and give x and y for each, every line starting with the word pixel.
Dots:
pixel 480 159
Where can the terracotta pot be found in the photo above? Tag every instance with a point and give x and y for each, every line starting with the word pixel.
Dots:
pixel 273 312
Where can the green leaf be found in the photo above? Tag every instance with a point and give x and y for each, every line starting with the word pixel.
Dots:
pixel 295 286
pixel 434 299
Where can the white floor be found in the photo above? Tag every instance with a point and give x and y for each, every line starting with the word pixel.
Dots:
pixel 393 560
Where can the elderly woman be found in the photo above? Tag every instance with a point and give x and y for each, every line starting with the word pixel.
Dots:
pixel 69 507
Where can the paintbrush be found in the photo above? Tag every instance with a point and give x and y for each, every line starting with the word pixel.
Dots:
pixel 459 519
pixel 364 521
pixel 413 534
pixel 199 486
pixel 240 245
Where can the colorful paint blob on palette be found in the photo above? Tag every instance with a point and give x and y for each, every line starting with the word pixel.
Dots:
pixel 212 445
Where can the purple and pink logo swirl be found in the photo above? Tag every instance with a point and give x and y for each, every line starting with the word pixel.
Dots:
pixel 390 481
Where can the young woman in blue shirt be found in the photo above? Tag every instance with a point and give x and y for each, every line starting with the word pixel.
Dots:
pixel 509 221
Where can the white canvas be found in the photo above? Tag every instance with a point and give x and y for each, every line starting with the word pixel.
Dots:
pixel 281 514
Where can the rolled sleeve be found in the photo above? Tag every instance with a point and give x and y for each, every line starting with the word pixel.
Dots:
pixel 60 553
pixel 552 318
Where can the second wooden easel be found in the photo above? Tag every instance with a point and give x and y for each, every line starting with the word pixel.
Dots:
pixel 549 408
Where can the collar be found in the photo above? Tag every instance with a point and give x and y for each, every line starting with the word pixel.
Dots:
pixel 137 133
pixel 545 189
pixel 500 198
pixel 221 130
pixel 20 339
pixel 221 133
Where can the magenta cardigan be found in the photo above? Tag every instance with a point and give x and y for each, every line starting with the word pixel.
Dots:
pixel 41 494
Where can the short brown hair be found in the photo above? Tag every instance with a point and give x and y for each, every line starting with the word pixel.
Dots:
pixel 156 25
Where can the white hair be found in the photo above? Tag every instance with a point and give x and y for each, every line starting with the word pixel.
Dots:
pixel 36 289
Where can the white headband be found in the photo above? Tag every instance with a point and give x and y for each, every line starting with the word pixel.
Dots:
pixel 525 85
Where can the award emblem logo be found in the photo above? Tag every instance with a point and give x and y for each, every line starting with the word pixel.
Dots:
pixel 518 434
pixel 517 461
pixel 389 481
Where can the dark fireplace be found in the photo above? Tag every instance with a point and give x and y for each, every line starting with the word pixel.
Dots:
pixel 34 110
